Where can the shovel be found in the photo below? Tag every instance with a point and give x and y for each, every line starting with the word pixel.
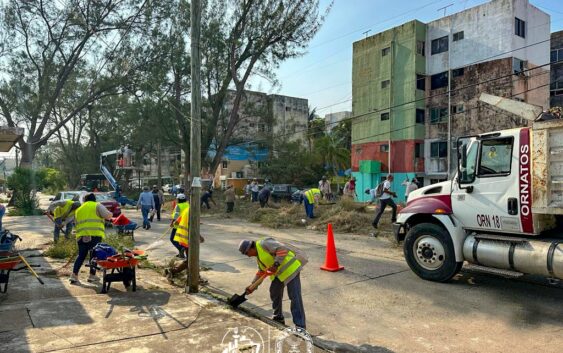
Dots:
pixel 237 300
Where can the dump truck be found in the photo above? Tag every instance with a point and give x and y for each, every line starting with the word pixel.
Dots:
pixel 501 213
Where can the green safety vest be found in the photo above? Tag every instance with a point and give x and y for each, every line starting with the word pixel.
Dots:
pixel 88 223
pixel 310 195
pixel 63 211
pixel 182 206
pixel 289 266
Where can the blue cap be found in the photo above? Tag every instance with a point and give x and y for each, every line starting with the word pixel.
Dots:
pixel 244 246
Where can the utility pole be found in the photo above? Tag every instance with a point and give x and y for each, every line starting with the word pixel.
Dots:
pixel 195 151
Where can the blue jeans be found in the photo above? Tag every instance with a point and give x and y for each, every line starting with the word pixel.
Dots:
pixel 294 293
pixel 83 250
pixel 145 210
pixel 58 226
pixel 309 207
pixel 174 242
pixel 254 196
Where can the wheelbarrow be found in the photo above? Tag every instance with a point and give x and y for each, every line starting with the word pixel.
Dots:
pixel 120 268
pixel 7 263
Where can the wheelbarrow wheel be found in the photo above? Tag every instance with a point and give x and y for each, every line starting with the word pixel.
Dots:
pixel 134 288
pixel 105 284
pixel 4 278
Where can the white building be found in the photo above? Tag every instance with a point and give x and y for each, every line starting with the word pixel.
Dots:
pixel 332 119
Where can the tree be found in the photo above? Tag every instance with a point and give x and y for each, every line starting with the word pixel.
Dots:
pixel 60 49
pixel 332 153
pixel 291 164
pixel 246 38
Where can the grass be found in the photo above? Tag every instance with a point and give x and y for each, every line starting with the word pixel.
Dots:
pixel 67 248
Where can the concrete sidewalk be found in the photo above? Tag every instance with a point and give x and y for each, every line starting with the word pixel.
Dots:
pixel 59 317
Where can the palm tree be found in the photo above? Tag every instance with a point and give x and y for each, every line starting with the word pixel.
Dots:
pixel 332 152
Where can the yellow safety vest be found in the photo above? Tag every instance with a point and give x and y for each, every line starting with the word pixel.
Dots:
pixel 182 206
pixel 182 231
pixel 63 211
pixel 289 265
pixel 310 195
pixel 88 223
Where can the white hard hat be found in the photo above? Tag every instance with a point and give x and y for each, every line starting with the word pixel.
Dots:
pixel 181 196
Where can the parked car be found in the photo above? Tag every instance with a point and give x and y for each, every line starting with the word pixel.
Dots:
pixel 286 192
pixel 65 195
pixel 109 202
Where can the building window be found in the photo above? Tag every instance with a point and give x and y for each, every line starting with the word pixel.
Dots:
pixel 519 27
pixel 251 124
pixel 438 115
pixel 225 164
pixel 420 82
pixel 384 148
pixel 385 51
pixel 439 45
pixel 458 72
pixel 384 116
pixel 519 66
pixel 385 84
pixel 420 116
pixel 458 36
pixel 420 47
pixel 457 109
pixel 261 127
pixel 418 150
pixel 439 80
pixel 556 55
pixel 287 109
pixel 438 149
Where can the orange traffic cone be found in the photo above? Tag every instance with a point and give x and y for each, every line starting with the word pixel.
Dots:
pixel 331 260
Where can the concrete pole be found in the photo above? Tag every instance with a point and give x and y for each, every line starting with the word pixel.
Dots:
pixel 195 151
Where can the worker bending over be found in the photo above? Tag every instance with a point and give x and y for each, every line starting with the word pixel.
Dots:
pixel 63 214
pixel 309 198
pixel 285 262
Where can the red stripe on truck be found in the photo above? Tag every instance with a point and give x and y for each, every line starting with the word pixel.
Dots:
pixel 525 181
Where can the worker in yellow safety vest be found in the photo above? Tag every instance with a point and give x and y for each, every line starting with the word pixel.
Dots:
pixel 63 216
pixel 283 263
pixel 181 205
pixel 181 237
pixel 90 230
pixel 309 198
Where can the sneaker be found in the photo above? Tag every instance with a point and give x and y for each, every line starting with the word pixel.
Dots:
pixel 374 234
pixel 148 226
pixel 279 320
pixel 74 279
pixel 93 279
pixel 374 225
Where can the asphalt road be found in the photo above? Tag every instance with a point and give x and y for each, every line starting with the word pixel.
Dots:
pixel 377 301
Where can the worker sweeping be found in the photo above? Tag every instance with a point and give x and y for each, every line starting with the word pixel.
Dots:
pixel 309 198
pixel 181 206
pixel 63 214
pixel 285 262
pixel 90 230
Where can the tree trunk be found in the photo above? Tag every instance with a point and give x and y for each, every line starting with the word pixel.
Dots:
pixel 28 153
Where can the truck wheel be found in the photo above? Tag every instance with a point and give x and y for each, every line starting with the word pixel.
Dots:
pixel 429 252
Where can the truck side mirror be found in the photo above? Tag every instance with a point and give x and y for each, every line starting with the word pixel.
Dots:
pixel 463 159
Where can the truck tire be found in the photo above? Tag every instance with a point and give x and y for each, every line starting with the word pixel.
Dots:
pixel 430 254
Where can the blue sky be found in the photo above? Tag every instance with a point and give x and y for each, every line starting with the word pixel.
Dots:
pixel 324 74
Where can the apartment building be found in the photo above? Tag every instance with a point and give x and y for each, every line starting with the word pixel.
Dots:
pixel 556 57
pixel 401 101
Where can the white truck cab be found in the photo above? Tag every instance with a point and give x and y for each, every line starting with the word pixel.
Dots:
pixel 500 213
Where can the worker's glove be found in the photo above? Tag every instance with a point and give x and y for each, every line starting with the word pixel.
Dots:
pixel 249 290
pixel 272 270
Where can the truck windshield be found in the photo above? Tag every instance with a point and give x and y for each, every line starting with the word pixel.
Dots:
pixel 467 171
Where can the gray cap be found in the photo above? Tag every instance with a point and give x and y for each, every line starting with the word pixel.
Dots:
pixel 244 246
pixel 181 197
